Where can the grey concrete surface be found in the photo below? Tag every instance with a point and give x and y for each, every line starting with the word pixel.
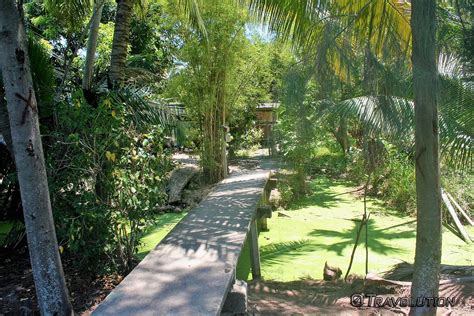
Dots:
pixel 192 269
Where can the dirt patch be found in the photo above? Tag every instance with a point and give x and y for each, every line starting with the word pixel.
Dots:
pixel 17 290
pixel 322 297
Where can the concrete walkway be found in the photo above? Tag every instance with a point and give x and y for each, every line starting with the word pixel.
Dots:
pixel 191 271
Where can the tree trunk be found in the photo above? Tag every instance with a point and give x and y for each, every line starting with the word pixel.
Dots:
pixel 4 123
pixel 212 157
pixel 120 42
pixel 342 135
pixel 48 275
pixel 428 191
pixel 92 45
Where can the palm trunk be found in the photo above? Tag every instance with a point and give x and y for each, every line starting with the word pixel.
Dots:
pixel 428 192
pixel 342 135
pixel 92 45
pixel 48 275
pixel 121 40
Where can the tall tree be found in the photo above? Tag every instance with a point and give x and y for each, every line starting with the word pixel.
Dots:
pixel 428 197
pixel 118 58
pixel 49 279
pixel 297 19
pixel 92 45
pixel 121 39
pixel 210 73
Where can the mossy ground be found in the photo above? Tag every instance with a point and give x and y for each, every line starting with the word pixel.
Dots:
pixel 164 224
pixel 322 227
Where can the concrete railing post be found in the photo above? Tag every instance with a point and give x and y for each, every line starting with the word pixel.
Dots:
pixel 254 251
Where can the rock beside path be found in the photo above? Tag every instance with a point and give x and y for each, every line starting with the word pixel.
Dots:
pixel 180 177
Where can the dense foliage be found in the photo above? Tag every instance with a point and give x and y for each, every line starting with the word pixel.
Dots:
pixel 357 111
pixel 338 73
pixel 108 177
pixel 105 147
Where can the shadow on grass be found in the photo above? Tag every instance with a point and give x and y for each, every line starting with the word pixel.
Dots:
pixel 381 208
pixel 162 224
pixel 323 195
pixel 301 293
pixel 377 242
pixel 280 253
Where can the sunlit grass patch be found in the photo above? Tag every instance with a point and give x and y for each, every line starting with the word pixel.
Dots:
pixel 164 224
pixel 322 227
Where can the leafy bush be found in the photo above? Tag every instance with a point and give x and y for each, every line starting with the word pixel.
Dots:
pixel 248 141
pixel 291 188
pixel 286 193
pixel 251 138
pixel 460 184
pixel 399 186
pixel 107 175
pixel 328 162
pixel 393 180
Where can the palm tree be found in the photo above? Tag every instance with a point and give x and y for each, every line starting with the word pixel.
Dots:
pixel 428 189
pixel 391 113
pixel 73 12
pixel 121 38
pixel 381 25
pixel 118 57
pixel 92 45
pixel 48 274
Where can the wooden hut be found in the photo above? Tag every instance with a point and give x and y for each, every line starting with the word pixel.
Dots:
pixel 267 116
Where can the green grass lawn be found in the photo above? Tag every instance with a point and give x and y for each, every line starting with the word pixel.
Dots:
pixel 322 227
pixel 164 224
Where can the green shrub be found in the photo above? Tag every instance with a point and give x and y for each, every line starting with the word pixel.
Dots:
pixel 291 187
pixel 327 161
pixel 460 184
pixel 243 143
pixel 399 185
pixel 107 176
pixel 286 193
pixel 392 180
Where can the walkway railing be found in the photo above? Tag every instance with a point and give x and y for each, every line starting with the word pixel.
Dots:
pixel 193 269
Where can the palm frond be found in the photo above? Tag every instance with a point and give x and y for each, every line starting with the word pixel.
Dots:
pixel 388 115
pixel 291 20
pixel 143 111
pixel 393 117
pixel 193 14
pixel 456 110
pixel 70 12
pixel 43 75
pixel 384 24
